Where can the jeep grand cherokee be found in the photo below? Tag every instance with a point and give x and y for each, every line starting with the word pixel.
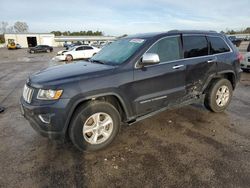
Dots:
pixel 129 80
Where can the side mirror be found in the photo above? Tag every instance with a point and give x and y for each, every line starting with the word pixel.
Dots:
pixel 150 59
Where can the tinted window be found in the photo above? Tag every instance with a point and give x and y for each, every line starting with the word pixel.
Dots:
pixel 195 46
pixel 218 45
pixel 167 49
pixel 79 48
pixel 88 48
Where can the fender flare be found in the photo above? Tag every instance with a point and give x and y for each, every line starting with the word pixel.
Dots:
pixel 219 75
pixel 89 98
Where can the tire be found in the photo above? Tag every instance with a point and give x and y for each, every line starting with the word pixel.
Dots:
pixel 214 100
pixel 69 58
pixel 48 51
pixel 32 51
pixel 83 116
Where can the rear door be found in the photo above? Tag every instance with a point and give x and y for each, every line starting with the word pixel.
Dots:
pixel 163 84
pixel 199 63
pixel 220 49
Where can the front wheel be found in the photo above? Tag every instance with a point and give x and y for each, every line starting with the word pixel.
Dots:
pixel 69 58
pixel 94 125
pixel 219 95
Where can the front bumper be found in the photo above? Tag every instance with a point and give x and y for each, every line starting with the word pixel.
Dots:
pixel 245 66
pixel 60 57
pixel 57 127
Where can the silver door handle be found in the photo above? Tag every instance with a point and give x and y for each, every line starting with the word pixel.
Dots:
pixel 211 60
pixel 177 66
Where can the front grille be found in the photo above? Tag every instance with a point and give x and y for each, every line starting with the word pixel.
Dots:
pixel 27 93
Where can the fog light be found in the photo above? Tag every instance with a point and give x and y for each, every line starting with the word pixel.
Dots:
pixel 45 118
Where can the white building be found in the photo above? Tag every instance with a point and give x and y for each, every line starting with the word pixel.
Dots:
pixel 31 39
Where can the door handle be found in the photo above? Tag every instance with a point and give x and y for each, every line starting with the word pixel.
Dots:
pixel 211 60
pixel 177 66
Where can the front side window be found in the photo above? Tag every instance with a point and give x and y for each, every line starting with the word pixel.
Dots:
pixel 218 45
pixel 195 46
pixel 168 49
pixel 79 48
pixel 88 48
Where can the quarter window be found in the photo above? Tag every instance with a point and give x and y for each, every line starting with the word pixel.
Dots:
pixel 195 46
pixel 168 49
pixel 218 45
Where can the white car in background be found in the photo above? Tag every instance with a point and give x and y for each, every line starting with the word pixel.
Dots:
pixel 77 52
pixel 245 64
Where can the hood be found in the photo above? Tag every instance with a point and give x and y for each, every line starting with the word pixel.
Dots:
pixel 59 74
pixel 62 51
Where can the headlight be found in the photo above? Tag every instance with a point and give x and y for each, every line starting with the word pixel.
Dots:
pixel 49 94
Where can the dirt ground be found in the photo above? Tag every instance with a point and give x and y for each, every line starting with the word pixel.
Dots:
pixel 186 147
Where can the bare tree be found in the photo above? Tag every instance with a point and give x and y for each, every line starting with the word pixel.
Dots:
pixel 10 29
pixel 3 27
pixel 21 27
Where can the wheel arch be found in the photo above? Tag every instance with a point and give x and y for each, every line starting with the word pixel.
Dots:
pixel 230 75
pixel 112 98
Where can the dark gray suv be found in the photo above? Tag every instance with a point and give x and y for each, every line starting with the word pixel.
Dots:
pixel 129 80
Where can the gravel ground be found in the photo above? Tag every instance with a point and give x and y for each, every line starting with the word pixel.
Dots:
pixel 185 147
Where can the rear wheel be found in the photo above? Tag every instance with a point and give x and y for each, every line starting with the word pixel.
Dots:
pixel 69 58
pixel 94 125
pixel 219 95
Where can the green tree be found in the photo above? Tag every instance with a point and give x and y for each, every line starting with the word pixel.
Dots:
pixel 78 33
pixel 2 40
pixel 56 33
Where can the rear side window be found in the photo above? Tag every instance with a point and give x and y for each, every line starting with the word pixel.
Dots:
pixel 195 46
pixel 168 49
pixel 218 45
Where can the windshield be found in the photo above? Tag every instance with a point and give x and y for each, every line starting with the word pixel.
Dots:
pixel 118 51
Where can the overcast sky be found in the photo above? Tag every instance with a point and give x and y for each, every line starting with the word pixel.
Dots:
pixel 127 16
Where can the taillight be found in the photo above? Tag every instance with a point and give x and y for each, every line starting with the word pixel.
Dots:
pixel 240 57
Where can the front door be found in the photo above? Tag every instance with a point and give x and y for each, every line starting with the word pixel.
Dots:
pixel 79 53
pixel 160 85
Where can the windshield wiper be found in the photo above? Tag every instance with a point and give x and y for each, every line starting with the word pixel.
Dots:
pixel 96 61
